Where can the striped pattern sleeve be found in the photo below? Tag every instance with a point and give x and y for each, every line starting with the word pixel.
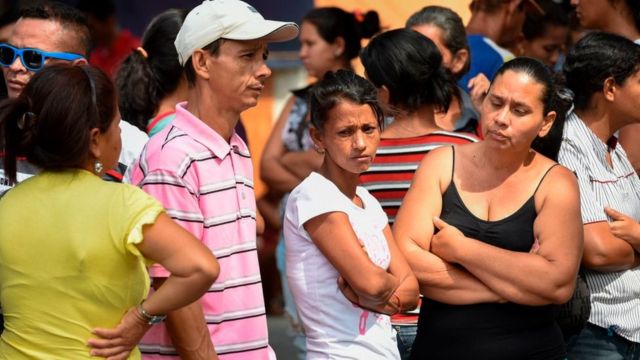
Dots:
pixel 572 158
pixel 180 201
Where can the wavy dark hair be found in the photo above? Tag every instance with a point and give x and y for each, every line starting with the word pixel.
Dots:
pixel 595 58
pixel 42 125
pixel 337 86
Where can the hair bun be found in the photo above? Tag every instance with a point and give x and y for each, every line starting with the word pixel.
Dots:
pixel 368 23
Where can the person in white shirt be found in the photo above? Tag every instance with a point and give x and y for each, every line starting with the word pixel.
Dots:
pixel 602 71
pixel 343 266
pixel 620 17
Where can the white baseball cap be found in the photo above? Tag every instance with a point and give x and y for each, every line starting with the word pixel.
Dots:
pixel 228 19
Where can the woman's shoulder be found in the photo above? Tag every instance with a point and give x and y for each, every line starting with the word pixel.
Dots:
pixel 442 155
pixel 554 180
pixel 314 186
pixel 454 137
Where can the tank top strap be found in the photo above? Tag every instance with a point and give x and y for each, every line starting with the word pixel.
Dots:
pixel 544 176
pixel 453 160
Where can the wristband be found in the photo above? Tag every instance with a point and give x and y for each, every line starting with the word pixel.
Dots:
pixel 150 319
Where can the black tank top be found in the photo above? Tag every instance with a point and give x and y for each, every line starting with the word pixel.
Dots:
pixel 489 330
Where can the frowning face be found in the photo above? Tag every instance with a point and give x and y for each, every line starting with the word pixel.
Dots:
pixel 513 111
pixel 350 137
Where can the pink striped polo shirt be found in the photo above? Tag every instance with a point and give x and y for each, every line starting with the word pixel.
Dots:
pixel 206 186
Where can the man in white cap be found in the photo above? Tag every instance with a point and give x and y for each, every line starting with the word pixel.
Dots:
pixel 201 171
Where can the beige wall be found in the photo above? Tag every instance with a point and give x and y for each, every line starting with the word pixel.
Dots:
pixel 393 13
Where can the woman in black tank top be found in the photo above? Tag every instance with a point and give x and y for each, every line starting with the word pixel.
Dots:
pixel 492 230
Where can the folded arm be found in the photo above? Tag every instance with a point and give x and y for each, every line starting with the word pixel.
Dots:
pixel 438 279
pixel 373 285
pixel 540 277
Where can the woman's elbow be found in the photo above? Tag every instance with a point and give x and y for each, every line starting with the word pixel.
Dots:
pixel 562 294
pixel 266 175
pixel 410 293
pixel 607 261
pixel 377 288
pixel 208 270
pixel 411 301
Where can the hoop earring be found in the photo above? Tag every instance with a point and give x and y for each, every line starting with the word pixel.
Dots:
pixel 98 167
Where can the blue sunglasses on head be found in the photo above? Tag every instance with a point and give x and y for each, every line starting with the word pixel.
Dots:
pixel 32 59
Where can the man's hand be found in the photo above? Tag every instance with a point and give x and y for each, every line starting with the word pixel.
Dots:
pixel 116 344
pixel 624 227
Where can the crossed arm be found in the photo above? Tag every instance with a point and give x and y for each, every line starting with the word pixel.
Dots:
pixel 454 269
pixel 612 246
pixel 363 282
pixel 438 279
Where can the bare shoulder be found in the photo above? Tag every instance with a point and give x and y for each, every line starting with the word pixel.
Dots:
pixel 558 185
pixel 443 155
pixel 437 161
pixel 467 150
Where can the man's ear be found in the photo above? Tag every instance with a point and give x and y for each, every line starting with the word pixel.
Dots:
pixel 199 62
pixel 81 61
pixel 460 58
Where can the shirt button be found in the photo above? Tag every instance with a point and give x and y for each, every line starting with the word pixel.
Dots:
pixel 243 195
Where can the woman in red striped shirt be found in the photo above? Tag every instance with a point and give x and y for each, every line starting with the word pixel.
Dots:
pixel 406 67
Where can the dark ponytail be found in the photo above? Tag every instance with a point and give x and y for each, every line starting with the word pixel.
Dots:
pixel 151 73
pixel 41 125
pixel 410 66
pixel 333 22
pixel 562 100
pixel 368 25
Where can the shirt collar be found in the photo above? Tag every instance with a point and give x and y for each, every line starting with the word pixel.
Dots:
pixel 597 144
pixel 205 135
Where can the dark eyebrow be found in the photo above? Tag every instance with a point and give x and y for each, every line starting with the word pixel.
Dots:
pixel 250 49
pixel 514 102
pixel 521 104
pixel 255 48
pixel 497 97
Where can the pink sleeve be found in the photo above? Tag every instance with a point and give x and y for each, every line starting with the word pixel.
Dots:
pixel 180 201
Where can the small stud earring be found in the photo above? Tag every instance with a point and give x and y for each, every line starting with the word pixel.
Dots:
pixel 318 149
pixel 98 167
